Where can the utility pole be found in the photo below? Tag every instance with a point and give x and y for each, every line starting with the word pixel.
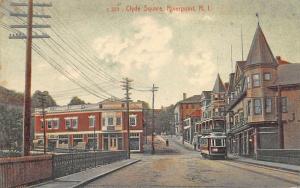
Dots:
pixel 42 100
pixel 153 120
pixel 126 84
pixel 28 37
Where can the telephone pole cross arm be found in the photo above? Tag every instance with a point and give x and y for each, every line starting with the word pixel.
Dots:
pixel 28 37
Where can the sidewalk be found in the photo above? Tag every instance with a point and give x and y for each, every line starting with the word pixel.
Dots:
pixel 84 177
pixel 282 166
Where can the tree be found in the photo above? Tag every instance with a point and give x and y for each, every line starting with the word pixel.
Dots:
pixel 76 101
pixel 10 128
pixel 36 99
pixel 165 120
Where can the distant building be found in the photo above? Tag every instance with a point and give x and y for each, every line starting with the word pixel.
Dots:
pixel 213 106
pixel 102 125
pixel 263 102
pixel 184 109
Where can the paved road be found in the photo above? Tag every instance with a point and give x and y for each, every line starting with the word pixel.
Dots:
pixel 185 168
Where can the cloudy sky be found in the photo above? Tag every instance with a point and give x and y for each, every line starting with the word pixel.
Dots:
pixel 179 51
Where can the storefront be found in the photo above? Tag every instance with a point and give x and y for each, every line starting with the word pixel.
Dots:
pixel 112 141
pixel 135 142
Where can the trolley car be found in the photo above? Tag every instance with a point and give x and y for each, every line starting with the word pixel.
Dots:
pixel 213 145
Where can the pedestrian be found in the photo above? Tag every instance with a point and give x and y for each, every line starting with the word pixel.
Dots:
pixel 167 142
pixel 194 143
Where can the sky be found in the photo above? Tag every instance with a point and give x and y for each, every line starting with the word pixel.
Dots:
pixel 180 52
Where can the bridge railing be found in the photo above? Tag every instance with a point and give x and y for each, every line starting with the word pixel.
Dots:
pixel 75 162
pixel 18 171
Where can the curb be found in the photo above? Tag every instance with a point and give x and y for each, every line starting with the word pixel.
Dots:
pixel 83 183
pixel 265 165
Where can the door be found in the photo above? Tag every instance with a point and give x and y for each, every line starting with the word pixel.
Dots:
pixel 113 143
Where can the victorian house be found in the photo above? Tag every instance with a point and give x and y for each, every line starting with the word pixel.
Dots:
pixel 213 104
pixel 263 101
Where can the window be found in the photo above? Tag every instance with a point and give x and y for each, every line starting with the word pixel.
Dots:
pixel 249 108
pixel 248 82
pixel 92 121
pixel 52 123
pixel 42 124
pixel 132 120
pixel 103 121
pixel 267 76
pixel 110 121
pixel 49 123
pixel 257 106
pixel 256 80
pixel 241 117
pixel 268 105
pixel 68 123
pixel 118 121
pixel 55 124
pixel 284 104
pixel 71 122
pixel 75 123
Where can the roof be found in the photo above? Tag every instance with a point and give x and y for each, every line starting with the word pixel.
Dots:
pixel 241 64
pixel 219 86
pixel 206 94
pixel 288 74
pixel 260 52
pixel 192 99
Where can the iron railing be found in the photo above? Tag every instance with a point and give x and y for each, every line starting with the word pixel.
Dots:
pixel 19 171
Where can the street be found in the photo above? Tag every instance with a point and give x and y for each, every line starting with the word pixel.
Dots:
pixel 185 168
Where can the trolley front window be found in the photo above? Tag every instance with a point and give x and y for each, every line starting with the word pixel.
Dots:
pixel 218 142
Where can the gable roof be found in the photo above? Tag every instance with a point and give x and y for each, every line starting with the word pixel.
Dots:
pixel 192 99
pixel 260 52
pixel 219 86
pixel 288 74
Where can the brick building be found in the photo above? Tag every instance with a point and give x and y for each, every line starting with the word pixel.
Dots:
pixel 102 125
pixel 184 109
pixel 263 101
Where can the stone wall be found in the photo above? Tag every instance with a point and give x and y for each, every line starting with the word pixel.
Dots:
pixel 288 156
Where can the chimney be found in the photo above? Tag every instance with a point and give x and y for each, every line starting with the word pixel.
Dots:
pixel 278 58
pixel 184 96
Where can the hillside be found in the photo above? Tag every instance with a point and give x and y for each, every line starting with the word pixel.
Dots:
pixel 10 97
